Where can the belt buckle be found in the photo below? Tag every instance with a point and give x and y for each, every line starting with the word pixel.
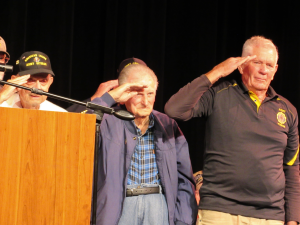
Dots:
pixel 131 190
pixel 160 189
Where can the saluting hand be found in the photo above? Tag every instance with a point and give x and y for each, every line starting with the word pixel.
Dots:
pixel 126 91
pixel 227 67
pixel 7 91
pixel 105 87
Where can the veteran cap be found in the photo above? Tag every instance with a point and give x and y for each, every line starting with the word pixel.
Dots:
pixel 129 61
pixel 34 62
pixel 3 47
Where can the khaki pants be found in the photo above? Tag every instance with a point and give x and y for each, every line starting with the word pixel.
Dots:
pixel 208 217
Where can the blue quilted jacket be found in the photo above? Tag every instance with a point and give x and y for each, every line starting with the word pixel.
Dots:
pixel 118 139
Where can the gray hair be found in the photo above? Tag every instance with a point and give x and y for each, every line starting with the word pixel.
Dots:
pixel 256 41
pixel 127 71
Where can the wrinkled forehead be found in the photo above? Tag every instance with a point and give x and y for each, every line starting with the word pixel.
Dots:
pixel 266 48
pixel 143 78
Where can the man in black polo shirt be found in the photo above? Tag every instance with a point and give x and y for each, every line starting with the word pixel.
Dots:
pixel 251 171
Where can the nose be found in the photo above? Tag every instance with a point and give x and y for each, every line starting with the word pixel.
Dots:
pixel 37 84
pixel 263 68
pixel 145 100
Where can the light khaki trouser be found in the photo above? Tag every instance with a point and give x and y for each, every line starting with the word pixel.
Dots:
pixel 209 217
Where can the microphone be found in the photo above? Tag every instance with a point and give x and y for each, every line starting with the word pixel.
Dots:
pixel 121 114
pixel 6 68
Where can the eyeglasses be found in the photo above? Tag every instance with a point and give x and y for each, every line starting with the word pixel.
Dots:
pixel 4 56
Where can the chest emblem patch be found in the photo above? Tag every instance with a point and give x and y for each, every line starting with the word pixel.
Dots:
pixel 281 118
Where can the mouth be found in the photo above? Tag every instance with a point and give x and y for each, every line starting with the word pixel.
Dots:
pixel 260 79
pixel 35 96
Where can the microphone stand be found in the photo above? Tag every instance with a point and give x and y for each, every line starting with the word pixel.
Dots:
pixel 99 111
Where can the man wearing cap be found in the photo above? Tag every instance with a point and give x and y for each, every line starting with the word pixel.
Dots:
pixel 34 71
pixel 144 170
pixel 106 86
pixel 4 56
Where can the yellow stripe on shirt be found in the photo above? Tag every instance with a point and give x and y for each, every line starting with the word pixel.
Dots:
pixel 290 163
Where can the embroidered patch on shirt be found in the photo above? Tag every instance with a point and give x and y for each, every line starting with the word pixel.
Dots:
pixel 281 118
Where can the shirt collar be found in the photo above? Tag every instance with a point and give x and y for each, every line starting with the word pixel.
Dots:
pixel 151 122
pixel 270 92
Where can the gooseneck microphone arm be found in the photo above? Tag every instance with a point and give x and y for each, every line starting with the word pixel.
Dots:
pixel 121 114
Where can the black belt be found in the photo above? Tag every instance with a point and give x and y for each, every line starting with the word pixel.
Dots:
pixel 142 191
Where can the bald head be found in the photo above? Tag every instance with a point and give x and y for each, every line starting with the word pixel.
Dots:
pixel 136 72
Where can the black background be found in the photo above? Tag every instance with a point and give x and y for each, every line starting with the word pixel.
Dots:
pixel 179 40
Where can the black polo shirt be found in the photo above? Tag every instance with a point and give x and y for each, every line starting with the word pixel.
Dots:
pixel 247 148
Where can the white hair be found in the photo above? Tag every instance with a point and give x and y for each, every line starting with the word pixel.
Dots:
pixel 142 69
pixel 258 41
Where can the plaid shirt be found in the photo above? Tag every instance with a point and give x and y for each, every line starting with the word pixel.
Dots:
pixel 143 167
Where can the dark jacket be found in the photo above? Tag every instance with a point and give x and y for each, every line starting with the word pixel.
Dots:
pixel 118 139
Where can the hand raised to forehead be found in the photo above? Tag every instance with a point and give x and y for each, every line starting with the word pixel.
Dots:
pixel 227 67
pixel 7 90
pixel 126 91
pixel 105 87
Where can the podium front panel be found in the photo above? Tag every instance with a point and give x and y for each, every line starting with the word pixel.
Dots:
pixel 46 168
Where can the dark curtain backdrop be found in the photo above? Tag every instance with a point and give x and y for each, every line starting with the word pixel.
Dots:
pixel 179 40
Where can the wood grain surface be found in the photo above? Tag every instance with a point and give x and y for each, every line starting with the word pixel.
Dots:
pixel 46 167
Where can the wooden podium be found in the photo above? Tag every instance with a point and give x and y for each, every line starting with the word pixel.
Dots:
pixel 46 167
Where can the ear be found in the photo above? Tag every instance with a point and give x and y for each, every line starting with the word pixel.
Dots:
pixel 275 70
pixel 241 68
pixel 51 80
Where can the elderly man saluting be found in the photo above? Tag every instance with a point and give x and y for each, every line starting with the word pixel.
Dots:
pixel 145 174
pixel 250 173
pixel 34 71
